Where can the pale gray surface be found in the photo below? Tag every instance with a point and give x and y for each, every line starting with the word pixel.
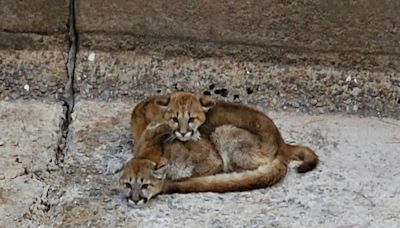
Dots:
pixel 30 133
pixel 357 183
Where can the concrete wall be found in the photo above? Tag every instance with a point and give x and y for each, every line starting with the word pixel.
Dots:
pixel 34 46
pixel 293 54
pixel 35 16
pixel 361 25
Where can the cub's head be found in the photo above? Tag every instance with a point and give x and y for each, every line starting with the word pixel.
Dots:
pixel 142 179
pixel 185 112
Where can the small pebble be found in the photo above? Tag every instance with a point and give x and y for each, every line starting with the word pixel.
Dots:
pixel 313 101
pixel 105 95
pixel 355 92
pixel 92 57
pixel 295 104
pixel 14 95
pixel 43 88
pixel 26 87
pixel 1 143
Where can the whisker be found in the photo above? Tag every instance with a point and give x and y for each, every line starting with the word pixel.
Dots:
pixel 170 138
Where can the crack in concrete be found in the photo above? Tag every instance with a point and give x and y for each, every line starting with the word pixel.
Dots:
pixel 51 194
pixel 69 97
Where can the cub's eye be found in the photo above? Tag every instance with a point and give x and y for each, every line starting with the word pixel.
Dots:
pixel 175 119
pixel 128 185
pixel 191 119
pixel 144 186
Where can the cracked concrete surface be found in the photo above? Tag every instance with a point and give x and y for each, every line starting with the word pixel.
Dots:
pixel 357 183
pixel 29 136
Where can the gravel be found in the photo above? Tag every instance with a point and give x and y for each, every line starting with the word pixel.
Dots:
pixel 292 87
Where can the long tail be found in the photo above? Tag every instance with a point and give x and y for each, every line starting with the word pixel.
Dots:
pixel 306 155
pixel 263 176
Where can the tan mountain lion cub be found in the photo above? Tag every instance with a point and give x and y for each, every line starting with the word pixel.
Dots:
pixel 248 142
pixel 142 177
pixel 144 172
pixel 188 113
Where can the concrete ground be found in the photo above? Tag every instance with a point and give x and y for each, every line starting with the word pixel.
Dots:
pixel 29 140
pixel 357 183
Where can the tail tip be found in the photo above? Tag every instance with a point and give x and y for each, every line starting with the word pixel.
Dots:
pixel 306 167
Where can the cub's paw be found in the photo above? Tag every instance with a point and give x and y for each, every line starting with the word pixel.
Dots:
pixel 196 136
pixel 157 130
pixel 164 127
pixel 160 127
pixel 149 193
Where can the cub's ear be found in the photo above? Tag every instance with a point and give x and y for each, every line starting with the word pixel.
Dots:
pixel 163 101
pixel 161 171
pixel 207 102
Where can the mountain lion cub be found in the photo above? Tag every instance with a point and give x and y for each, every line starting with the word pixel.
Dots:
pixel 252 151
pixel 158 155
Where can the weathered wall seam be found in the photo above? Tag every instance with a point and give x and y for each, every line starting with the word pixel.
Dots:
pixel 69 93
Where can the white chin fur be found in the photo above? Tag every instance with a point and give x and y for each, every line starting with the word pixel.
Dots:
pixel 183 139
pixel 141 202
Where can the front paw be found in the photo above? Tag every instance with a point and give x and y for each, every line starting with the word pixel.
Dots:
pixel 149 193
pixel 161 127
pixel 196 136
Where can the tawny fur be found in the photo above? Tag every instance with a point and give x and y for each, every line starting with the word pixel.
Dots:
pixel 209 114
pixel 254 148
pixel 249 144
pixel 247 164
pixel 150 133
pixel 154 148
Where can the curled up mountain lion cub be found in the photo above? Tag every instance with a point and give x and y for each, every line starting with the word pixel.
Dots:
pixel 245 148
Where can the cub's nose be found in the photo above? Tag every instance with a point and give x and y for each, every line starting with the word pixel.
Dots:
pixel 136 198
pixel 134 195
pixel 184 135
